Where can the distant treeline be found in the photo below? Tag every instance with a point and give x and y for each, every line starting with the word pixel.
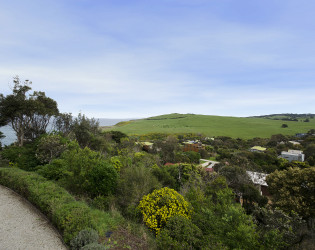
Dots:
pixel 287 117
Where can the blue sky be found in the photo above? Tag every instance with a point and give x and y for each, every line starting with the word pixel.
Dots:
pixel 132 59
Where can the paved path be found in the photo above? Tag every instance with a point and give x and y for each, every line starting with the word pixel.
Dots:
pixel 23 227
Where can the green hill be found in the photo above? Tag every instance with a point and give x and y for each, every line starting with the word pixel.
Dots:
pixel 208 125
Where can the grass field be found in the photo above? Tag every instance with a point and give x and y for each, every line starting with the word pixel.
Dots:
pixel 235 127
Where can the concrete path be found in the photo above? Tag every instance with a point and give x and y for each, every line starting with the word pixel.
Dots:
pixel 22 226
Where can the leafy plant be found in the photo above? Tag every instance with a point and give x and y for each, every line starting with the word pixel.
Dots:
pixel 84 237
pixel 162 204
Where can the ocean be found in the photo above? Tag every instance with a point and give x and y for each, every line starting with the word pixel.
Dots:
pixel 10 137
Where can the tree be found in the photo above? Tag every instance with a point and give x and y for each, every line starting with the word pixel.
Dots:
pixel 277 229
pixel 63 123
pixel 85 130
pixel 50 147
pixel 293 190
pixel 27 114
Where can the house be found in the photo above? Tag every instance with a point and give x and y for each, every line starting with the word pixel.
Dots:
pixel 146 145
pixel 300 135
pixel 259 180
pixel 257 149
pixel 295 143
pixel 208 165
pixel 193 146
pixel 293 155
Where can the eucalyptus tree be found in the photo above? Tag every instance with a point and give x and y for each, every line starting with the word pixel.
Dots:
pixel 27 113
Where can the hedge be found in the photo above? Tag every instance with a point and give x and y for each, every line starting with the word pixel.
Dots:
pixel 68 215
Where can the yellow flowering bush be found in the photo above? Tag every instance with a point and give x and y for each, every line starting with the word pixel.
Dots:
pixel 162 204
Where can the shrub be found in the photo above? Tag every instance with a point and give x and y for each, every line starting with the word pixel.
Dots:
pixel 50 147
pixel 133 184
pixel 71 218
pixel 82 171
pixel 84 237
pixel 160 205
pixel 24 156
pixel 179 233
pixel 54 171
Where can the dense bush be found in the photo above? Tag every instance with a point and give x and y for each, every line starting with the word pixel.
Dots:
pixel 179 233
pixel 50 147
pixel 82 171
pixel 24 157
pixel 158 206
pixel 134 183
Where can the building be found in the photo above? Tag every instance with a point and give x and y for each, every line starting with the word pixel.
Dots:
pixel 293 155
pixel 300 135
pixel 295 143
pixel 146 146
pixel 193 146
pixel 259 180
pixel 257 149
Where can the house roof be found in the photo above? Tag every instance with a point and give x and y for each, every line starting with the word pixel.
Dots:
pixel 257 178
pixel 259 148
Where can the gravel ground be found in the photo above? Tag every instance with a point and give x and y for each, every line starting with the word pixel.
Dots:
pixel 22 226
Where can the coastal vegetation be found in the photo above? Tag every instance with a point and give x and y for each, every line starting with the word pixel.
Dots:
pixel 138 185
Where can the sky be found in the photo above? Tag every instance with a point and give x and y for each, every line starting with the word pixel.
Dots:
pixel 134 59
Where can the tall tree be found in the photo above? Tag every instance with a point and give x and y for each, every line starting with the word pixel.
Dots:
pixel 293 190
pixel 27 114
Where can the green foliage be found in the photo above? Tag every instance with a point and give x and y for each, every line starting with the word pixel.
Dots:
pixel 116 163
pixel 164 176
pixel 179 233
pixel 84 237
pixel 68 215
pixel 167 149
pixel 222 222
pixel 310 151
pixel 116 135
pixel 72 218
pixel 293 190
pixel 85 131
pixel 82 171
pixel 24 157
pixel 27 114
pixel 101 179
pixel 56 170
pixel 104 203
pixel 188 157
pixel 63 123
pixel 175 176
pixel 50 147
pixel 158 206
pixel 134 183
pixel 277 229
pixel 251 196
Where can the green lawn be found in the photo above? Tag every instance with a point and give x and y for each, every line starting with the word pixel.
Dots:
pixel 213 126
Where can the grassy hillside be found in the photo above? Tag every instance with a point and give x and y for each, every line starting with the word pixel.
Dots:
pixel 213 126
